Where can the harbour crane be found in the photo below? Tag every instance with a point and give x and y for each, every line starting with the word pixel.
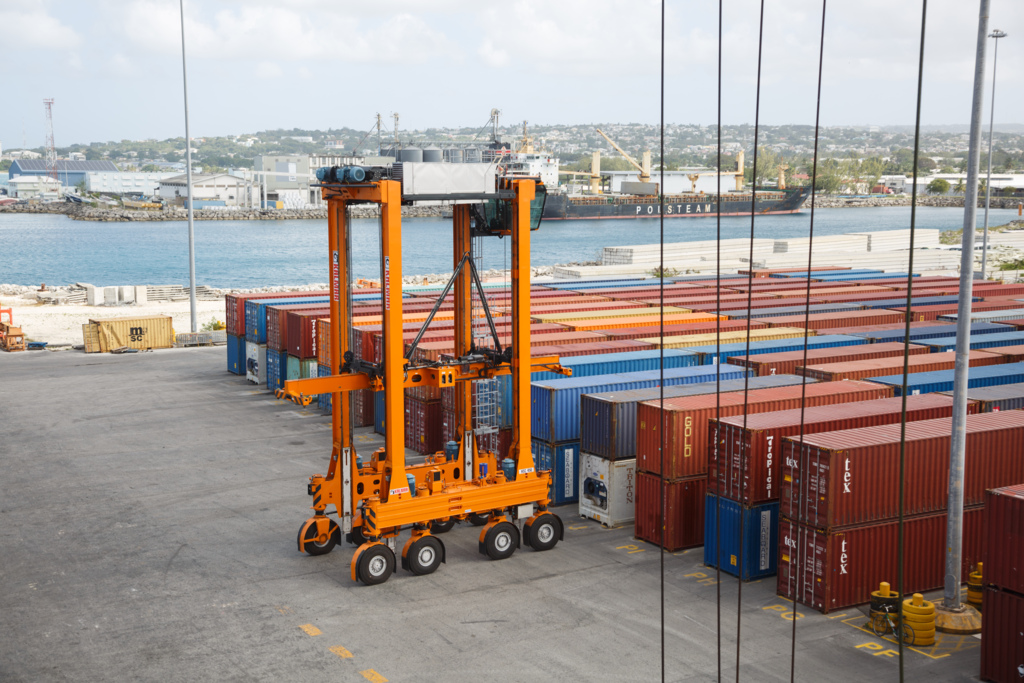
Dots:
pixel 644 168
pixel 594 174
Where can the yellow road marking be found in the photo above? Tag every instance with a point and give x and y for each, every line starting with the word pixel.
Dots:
pixel 373 676
pixel 340 651
pixel 310 629
pixel 930 655
pixel 284 609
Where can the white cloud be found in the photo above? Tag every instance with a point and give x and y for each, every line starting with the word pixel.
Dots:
pixel 28 24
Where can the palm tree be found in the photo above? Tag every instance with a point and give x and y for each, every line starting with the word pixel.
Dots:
pixel 960 187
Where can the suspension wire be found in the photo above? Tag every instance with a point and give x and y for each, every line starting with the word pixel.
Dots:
pixel 718 365
pixel 906 336
pixel 661 332
pixel 807 318
pixel 750 293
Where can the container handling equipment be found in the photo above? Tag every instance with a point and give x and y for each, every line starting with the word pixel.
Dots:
pixel 376 498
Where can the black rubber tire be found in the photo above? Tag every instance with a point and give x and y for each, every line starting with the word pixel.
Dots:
pixel 501 540
pixel 424 556
pixel 315 549
pixel 356 537
pixel 544 532
pixel 437 527
pixel 478 518
pixel 376 565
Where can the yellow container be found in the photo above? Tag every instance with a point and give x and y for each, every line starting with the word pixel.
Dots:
pixel 731 337
pixel 149 332
pixel 608 313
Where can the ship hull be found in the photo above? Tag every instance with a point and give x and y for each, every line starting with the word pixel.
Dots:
pixel 560 207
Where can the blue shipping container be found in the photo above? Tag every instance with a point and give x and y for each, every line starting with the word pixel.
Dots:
pixel 236 354
pixel 555 409
pixel 710 355
pixel 608 420
pixel 563 461
pixel 324 400
pixel 929 332
pixel 378 412
pixel 825 273
pixel 942 380
pixel 759 544
pixel 983 341
pixel 277 369
pixel 612 363
pixel 914 301
pixel 256 314
pixel 742 314
pixel 865 276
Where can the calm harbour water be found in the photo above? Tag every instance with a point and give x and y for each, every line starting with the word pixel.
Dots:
pixel 57 250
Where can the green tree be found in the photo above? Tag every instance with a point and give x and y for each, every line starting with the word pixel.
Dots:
pixel 960 186
pixel 829 178
pixel 1009 191
pixel 871 170
pixel 938 186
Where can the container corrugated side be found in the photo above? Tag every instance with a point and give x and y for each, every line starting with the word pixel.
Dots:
pixel 786 363
pixel 748 464
pixel 926 330
pixel 423 426
pixel 676 330
pixel 773 312
pixel 1010 354
pixel 685 420
pixel 825 321
pixel 1009 313
pixel 982 341
pixel 141 332
pixel 555 404
pixel 615 363
pixel 740 336
pixel 942 380
pixel 562 460
pixel 236 354
pixel 256 313
pixel 712 354
pixel 277 369
pixel 608 419
pixel 651 322
pixel 1004 526
pixel 588 348
pixel 748 553
pixel 234 315
pixel 1002 644
pixel 302 341
pixel 277 323
pixel 935 312
pixel 832 570
pixel 851 477
pixel 684 511
pixel 1017 323
pixel 881 367
pixel 901 302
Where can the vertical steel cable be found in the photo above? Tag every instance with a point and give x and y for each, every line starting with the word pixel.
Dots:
pixel 661 331
pixel 906 337
pixel 718 365
pixel 750 291
pixel 807 317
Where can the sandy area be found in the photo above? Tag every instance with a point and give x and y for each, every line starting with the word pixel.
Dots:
pixel 62 324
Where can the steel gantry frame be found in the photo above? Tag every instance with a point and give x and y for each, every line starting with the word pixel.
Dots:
pixel 375 500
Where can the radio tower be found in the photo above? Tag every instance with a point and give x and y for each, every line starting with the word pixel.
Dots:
pixel 51 149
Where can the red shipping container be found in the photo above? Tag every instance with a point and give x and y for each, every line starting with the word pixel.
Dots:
pixel 589 348
pixel 880 367
pixel 880 328
pixel 1017 323
pixel 993 289
pixel 786 362
pixel 685 420
pixel 363 401
pixel 828 321
pixel 277 323
pixel 919 313
pixel 572 308
pixel 1002 642
pixel 448 426
pixel 832 570
pixel 704 298
pixel 499 442
pixel 323 341
pixel 1010 354
pixel 234 307
pixel 688 328
pixel 845 478
pixel 749 458
pixel 884 294
pixel 1004 526
pixel 727 306
pixel 423 426
pixel 824 293
pixel 684 511
pixel 302 332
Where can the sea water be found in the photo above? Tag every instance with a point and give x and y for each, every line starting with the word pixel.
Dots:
pixel 56 250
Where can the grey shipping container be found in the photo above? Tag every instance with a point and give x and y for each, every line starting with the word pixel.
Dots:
pixel 995 399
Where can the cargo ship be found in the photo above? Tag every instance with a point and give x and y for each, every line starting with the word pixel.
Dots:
pixel 769 201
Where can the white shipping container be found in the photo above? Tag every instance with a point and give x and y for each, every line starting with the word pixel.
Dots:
pixel 607 489
pixel 256 363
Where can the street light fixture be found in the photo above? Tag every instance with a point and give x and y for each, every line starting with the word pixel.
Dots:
pixel 995 35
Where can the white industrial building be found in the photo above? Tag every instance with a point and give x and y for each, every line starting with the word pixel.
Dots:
pixel 216 187
pixel 145 184
pixel 33 187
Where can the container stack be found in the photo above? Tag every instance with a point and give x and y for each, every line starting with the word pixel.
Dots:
pixel 1002 625
pixel 840 504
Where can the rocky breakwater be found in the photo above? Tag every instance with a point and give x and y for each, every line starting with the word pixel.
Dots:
pixel 84 212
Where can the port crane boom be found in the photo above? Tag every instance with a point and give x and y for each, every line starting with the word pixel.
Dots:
pixel 644 175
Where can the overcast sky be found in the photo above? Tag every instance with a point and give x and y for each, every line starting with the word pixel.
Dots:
pixel 114 66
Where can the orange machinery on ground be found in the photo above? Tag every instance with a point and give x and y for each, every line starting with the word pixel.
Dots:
pixel 375 498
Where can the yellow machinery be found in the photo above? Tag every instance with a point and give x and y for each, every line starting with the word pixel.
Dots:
pixel 376 498
pixel 643 168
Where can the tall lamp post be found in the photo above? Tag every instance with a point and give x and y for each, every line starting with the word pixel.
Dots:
pixel 188 176
pixel 995 35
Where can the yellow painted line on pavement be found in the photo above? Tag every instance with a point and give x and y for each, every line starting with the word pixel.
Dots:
pixel 310 629
pixel 373 676
pixel 341 652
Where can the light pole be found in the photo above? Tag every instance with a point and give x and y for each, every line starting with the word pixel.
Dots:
pixel 995 35
pixel 188 176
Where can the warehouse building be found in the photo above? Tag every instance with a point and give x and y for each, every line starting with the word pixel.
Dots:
pixel 124 183
pixel 69 173
pixel 206 187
